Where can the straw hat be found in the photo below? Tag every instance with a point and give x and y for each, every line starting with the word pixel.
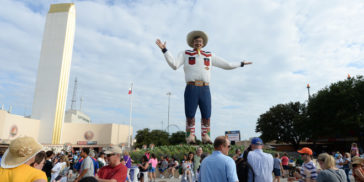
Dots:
pixel 194 34
pixel 357 160
pixel 20 151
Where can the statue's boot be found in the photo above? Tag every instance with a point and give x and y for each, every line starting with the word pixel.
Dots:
pixel 190 130
pixel 205 131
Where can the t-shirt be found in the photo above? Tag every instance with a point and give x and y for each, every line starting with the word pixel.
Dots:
pixel 285 160
pixel 21 173
pixel 347 165
pixel 196 162
pixel 277 163
pixel 57 169
pixel 127 160
pixel 338 161
pixel 154 162
pixel 87 163
pixel 310 166
pixel 118 172
pixel 47 168
pixel 330 175
pixel 164 164
pixel 101 161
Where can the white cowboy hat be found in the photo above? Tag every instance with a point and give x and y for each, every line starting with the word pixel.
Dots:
pixel 113 150
pixel 194 34
pixel 20 151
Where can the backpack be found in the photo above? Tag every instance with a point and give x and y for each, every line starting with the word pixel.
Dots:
pixel 242 168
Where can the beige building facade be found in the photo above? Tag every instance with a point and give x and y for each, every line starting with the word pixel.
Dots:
pixel 73 134
pixel 75 116
pixel 12 126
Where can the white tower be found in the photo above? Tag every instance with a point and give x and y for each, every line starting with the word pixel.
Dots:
pixel 53 72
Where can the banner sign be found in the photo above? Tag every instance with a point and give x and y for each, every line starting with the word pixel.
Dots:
pixel 233 135
pixel 86 142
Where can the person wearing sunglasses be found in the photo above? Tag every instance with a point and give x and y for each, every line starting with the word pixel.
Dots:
pixel 218 167
pixel 308 171
pixel 115 171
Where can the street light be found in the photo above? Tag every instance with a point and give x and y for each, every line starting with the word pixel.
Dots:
pixel 169 100
pixel 308 90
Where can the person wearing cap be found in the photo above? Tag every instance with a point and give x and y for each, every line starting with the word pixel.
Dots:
pixel 308 171
pixel 115 171
pixel 218 167
pixel 15 164
pixel 358 171
pixel 197 67
pixel 261 162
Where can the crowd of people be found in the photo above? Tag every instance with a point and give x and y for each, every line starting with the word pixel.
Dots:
pixel 24 160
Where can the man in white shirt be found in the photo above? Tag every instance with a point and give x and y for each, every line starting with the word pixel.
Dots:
pixel 197 67
pixel 261 162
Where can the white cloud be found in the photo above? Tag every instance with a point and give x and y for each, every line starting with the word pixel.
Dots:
pixel 291 43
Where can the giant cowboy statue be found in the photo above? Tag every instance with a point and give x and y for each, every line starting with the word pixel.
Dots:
pixel 197 67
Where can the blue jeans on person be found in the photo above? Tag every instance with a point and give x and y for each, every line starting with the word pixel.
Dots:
pixel 197 96
pixel 347 174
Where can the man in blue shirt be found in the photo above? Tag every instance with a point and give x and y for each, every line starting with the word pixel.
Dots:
pixel 218 167
pixel 261 162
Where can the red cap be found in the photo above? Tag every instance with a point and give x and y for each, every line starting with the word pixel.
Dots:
pixel 305 150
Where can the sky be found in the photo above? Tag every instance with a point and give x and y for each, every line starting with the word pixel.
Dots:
pixel 291 44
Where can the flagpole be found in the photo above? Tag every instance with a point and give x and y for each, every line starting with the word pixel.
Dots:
pixel 131 110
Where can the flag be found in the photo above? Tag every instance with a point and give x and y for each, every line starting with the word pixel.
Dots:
pixel 130 91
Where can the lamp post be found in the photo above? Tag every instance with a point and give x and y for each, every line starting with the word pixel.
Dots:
pixel 308 90
pixel 169 100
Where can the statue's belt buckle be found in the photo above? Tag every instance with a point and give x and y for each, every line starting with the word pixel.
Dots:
pixel 199 83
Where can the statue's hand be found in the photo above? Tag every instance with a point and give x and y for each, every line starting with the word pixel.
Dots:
pixel 160 44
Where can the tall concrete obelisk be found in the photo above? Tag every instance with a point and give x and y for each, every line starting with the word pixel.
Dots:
pixel 53 72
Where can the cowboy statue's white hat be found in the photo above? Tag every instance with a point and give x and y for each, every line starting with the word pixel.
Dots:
pixel 194 34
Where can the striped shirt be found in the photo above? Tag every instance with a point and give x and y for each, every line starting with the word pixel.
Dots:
pixel 310 166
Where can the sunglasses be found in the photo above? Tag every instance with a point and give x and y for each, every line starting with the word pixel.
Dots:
pixel 109 155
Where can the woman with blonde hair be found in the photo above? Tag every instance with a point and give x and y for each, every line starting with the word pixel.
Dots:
pixel 61 169
pixel 329 171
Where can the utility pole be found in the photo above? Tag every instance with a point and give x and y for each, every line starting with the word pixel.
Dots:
pixel 74 95
pixel 169 101
pixel 81 100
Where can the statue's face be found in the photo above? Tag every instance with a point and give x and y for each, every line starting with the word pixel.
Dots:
pixel 198 43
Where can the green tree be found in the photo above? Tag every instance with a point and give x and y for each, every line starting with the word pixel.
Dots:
pixel 178 138
pixel 146 137
pixel 159 137
pixel 337 111
pixel 283 123
pixel 142 137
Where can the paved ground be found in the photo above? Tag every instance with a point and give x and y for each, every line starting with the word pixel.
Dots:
pixel 178 180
